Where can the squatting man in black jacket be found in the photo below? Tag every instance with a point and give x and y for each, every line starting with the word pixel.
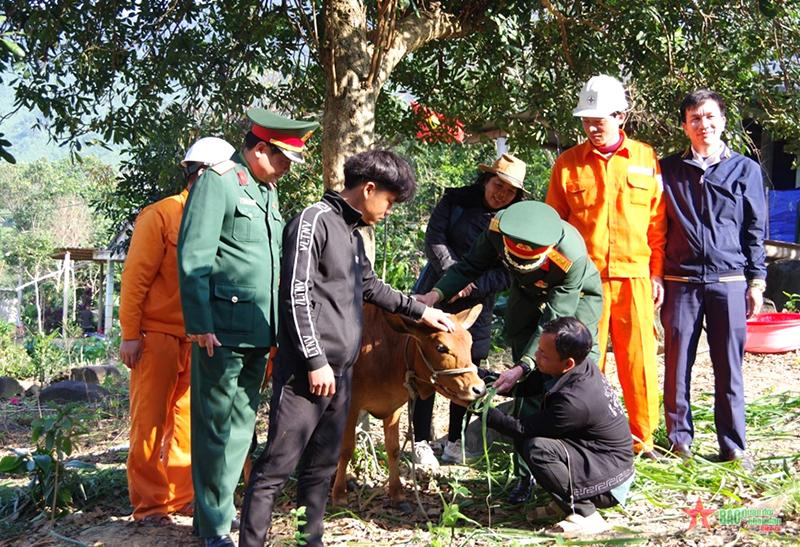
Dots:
pixel 578 446
pixel 325 280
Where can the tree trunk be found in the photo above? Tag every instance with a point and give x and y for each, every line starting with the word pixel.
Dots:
pixel 348 124
pixel 348 128
pixel 358 58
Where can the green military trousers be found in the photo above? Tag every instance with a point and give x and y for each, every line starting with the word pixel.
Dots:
pixel 225 397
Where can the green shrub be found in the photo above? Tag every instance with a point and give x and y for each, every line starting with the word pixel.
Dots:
pixel 48 358
pixel 54 486
pixel 14 360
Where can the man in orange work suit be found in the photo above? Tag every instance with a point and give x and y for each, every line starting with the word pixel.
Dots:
pixel 609 188
pixel 154 346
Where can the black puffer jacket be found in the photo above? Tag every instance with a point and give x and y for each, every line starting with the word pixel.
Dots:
pixel 582 411
pixel 456 222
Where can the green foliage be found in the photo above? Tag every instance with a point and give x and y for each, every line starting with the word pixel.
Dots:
pixel 523 73
pixel 299 520
pixel 14 360
pixel 54 485
pixel 48 205
pixel 90 348
pixel 451 514
pixel 152 79
pixel 793 302
pixel 47 356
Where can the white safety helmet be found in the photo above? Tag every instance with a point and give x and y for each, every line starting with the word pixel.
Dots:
pixel 600 97
pixel 208 151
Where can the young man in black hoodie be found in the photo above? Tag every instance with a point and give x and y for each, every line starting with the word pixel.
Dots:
pixel 578 446
pixel 325 280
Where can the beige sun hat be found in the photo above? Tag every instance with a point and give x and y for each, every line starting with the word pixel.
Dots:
pixel 508 169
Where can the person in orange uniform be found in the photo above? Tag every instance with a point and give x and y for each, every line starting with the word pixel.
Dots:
pixel 609 188
pixel 155 347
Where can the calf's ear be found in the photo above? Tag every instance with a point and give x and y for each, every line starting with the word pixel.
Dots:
pixel 404 325
pixel 467 317
pixel 399 323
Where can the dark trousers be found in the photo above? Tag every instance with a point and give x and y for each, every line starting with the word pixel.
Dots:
pixel 305 431
pixel 724 307
pixel 422 416
pixel 225 397
pixel 548 462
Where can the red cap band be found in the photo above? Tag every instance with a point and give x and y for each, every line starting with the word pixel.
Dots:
pixel 522 250
pixel 290 142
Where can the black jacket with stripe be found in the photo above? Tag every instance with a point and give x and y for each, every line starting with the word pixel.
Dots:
pixel 325 280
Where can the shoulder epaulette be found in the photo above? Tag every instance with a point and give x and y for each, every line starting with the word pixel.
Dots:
pixel 494 224
pixel 223 167
pixel 560 260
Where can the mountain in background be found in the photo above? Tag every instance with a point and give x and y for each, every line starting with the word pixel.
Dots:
pixel 29 144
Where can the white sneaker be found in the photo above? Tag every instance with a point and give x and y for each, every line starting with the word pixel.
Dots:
pixel 452 453
pixel 424 456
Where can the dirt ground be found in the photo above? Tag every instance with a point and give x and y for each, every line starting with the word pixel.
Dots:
pixel 371 520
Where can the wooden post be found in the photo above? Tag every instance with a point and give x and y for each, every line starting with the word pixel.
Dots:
pixel 101 299
pixel 18 322
pixel 109 299
pixel 65 300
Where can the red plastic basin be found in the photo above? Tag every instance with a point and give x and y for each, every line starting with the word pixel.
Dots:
pixel 773 333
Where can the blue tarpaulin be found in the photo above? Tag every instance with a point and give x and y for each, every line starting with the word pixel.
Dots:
pixel 784 219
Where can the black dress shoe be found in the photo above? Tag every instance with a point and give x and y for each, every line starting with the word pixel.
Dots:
pixel 683 451
pixel 738 455
pixel 219 541
pixel 522 491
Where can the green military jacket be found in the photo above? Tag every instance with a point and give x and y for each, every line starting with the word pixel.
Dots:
pixel 229 257
pixel 566 284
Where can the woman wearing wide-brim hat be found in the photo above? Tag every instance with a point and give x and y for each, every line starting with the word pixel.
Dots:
pixel 458 219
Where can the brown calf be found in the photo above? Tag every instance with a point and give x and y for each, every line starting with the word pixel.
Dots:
pixel 394 349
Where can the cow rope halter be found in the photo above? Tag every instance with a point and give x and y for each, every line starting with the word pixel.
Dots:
pixel 411 375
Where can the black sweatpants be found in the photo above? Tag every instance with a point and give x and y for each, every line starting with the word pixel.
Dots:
pixel 547 460
pixel 304 429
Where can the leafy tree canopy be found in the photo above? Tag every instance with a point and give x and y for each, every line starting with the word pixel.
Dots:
pixel 48 205
pixel 155 75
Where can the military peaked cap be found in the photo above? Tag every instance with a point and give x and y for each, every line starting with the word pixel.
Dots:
pixel 288 135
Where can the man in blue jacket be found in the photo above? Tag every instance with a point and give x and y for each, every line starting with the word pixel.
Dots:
pixel 714 268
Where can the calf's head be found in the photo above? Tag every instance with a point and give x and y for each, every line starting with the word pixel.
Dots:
pixel 442 359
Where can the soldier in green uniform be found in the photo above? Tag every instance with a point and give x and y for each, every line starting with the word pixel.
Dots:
pixel 229 263
pixel 551 276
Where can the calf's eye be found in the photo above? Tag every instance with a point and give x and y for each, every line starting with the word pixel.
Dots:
pixel 441 348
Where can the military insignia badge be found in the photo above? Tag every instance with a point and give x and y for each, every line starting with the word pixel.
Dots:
pixel 542 284
pixel 494 225
pixel 560 260
pixel 242 176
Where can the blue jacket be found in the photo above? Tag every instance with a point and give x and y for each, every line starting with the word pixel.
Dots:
pixel 715 218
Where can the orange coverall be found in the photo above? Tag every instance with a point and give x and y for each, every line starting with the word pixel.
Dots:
pixel 159 458
pixel 617 206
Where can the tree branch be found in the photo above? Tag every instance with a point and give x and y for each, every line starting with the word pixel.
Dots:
pixel 562 29
pixel 417 30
